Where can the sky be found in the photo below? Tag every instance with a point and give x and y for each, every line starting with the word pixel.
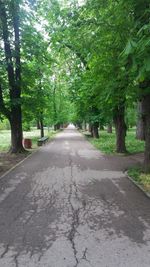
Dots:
pixel 68 2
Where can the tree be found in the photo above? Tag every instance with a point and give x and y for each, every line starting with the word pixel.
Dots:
pixel 140 122
pixel 137 52
pixel 10 23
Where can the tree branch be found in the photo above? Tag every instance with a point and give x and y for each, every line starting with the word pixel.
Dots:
pixel 78 54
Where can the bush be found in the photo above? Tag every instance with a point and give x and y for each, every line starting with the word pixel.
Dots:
pixel 26 126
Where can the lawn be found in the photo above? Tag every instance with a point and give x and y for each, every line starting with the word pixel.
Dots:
pixel 142 179
pixel 34 134
pixel 106 142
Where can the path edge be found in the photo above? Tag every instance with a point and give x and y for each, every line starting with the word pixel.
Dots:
pixel 17 164
pixel 20 162
pixel 137 185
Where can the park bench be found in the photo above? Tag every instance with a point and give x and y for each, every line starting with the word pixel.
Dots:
pixel 42 141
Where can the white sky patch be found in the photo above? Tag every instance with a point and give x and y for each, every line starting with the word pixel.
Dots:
pixel 40 26
pixel 69 2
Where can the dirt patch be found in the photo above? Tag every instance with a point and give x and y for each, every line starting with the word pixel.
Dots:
pixel 7 161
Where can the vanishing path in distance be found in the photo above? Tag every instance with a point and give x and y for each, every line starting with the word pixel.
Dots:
pixel 68 205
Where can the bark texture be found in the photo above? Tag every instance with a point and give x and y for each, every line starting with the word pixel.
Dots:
pixel 42 127
pixel 16 131
pixel 140 134
pixel 146 117
pixel 95 132
pixel 121 128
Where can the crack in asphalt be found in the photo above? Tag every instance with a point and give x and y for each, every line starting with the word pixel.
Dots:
pixel 75 218
pixel 5 251
pixel 16 259
pixel 74 226
pixel 84 257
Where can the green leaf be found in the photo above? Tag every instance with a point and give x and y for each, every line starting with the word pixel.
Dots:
pixel 147 64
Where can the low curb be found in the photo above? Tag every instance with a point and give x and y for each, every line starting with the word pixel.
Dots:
pixel 137 185
pixel 16 165
pixel 20 162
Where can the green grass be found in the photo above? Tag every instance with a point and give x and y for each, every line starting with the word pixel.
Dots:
pixel 140 178
pixel 34 134
pixel 4 140
pixel 107 142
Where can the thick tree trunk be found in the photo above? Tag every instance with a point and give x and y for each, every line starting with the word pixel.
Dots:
pixel 109 128
pixel 16 131
pixel 146 116
pixel 121 128
pixel 95 130
pixel 13 67
pixel 140 135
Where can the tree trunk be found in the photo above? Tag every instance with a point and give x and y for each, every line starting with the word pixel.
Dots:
pixel 57 127
pixel 42 127
pixel 140 135
pixel 16 131
pixel 109 128
pixel 13 67
pixel 79 125
pixel 121 128
pixel 91 129
pixel 38 125
pixel 84 126
pixel 146 116
pixel 95 130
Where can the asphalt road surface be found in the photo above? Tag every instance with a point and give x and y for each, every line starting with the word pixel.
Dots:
pixel 68 205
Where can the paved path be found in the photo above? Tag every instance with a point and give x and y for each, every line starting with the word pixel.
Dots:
pixel 70 206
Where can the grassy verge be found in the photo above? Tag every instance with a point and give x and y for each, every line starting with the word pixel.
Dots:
pixel 142 179
pixel 34 134
pixel 106 143
pixel 4 140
